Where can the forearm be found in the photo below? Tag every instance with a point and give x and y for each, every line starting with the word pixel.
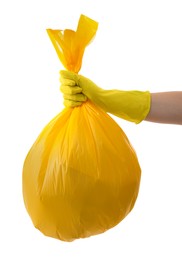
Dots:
pixel 166 107
pixel 134 106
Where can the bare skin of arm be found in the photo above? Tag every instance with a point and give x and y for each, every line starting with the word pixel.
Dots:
pixel 166 107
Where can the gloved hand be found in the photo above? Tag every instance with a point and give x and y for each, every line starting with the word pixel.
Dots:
pixel 129 105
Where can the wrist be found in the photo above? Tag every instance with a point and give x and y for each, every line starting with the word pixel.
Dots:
pixel 132 106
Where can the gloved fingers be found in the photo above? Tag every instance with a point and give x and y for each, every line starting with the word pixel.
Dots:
pixel 66 89
pixel 68 82
pixel 71 103
pixel 77 97
pixel 65 74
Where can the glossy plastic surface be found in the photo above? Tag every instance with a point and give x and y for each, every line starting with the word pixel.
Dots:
pixel 70 45
pixel 81 176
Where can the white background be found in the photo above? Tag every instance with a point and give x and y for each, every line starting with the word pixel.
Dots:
pixel 138 46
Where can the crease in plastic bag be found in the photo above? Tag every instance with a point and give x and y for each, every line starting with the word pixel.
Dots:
pixel 81 177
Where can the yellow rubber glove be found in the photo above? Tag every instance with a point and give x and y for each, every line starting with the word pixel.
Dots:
pixel 129 105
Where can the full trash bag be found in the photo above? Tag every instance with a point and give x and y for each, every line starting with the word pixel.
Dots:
pixel 81 176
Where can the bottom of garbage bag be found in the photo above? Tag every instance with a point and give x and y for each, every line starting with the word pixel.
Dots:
pixel 81 177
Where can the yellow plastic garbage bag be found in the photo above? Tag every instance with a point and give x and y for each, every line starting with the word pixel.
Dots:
pixel 81 176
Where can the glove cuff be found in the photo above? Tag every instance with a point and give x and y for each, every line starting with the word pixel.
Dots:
pixel 132 106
